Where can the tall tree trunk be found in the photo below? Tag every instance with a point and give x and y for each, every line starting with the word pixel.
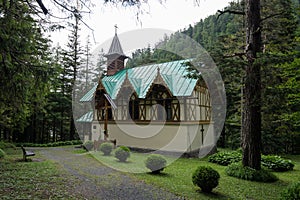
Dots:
pixel 72 129
pixel 251 119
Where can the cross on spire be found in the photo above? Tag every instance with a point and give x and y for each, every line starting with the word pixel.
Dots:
pixel 116 27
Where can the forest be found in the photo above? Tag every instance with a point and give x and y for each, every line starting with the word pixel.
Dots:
pixel 223 36
pixel 37 78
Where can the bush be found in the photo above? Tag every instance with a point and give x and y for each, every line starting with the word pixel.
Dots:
pixel 122 153
pixel 106 148
pixel 276 163
pixel 156 163
pixel 6 145
pixel 225 158
pixel 206 178
pixel 239 171
pixel 291 192
pixel 2 154
pixel 88 145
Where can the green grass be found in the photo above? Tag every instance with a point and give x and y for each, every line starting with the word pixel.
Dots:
pixel 42 179
pixel 177 178
pixel 38 179
pixel 134 164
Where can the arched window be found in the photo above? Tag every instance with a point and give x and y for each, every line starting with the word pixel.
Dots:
pixel 133 108
pixel 161 96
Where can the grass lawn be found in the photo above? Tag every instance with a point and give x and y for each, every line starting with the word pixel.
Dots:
pixel 176 178
pixel 38 179
pixel 43 179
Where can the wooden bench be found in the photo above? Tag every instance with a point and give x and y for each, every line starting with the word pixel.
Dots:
pixel 27 153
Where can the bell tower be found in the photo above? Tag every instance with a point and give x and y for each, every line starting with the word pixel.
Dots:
pixel 115 56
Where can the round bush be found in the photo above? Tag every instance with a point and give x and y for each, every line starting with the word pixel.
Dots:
pixel 156 163
pixel 239 171
pixel 88 145
pixel 106 148
pixel 206 178
pixel 122 153
pixel 291 192
pixel 2 154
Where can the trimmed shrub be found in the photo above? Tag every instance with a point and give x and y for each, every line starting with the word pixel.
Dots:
pixel 122 153
pixel 276 163
pixel 239 171
pixel 225 158
pixel 156 163
pixel 2 154
pixel 292 192
pixel 206 178
pixel 106 148
pixel 88 145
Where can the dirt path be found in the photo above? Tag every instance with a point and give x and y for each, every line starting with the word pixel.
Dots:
pixel 100 182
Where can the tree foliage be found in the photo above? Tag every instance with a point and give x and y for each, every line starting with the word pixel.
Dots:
pixel 223 36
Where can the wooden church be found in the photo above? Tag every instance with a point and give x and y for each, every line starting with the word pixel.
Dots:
pixel 155 107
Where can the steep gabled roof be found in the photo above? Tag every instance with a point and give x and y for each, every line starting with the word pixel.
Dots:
pixel 141 78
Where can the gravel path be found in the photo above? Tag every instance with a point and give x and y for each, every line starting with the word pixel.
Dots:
pixel 100 182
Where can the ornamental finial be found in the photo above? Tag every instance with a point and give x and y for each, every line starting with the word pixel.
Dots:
pixel 116 28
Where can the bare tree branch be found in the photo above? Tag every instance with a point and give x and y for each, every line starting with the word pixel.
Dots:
pixel 235 12
pixel 42 6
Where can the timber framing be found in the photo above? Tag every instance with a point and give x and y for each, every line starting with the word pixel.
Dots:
pixel 158 106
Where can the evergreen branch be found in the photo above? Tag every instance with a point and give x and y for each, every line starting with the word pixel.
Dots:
pixel 235 12
pixel 240 55
pixel 270 16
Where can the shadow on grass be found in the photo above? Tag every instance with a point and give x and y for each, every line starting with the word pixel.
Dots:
pixel 161 174
pixel 213 195
pixel 29 160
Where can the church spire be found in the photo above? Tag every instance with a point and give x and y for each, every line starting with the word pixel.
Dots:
pixel 115 56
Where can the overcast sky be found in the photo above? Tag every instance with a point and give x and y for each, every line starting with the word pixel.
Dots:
pixel 171 15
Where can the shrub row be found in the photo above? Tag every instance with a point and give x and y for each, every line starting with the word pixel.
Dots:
pixel 273 162
pixel 52 144
pixel 155 162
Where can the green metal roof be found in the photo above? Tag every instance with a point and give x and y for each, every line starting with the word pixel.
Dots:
pixel 88 117
pixel 113 83
pixel 88 97
pixel 141 78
